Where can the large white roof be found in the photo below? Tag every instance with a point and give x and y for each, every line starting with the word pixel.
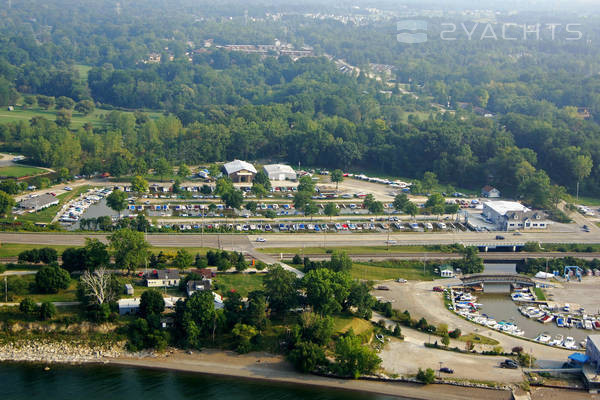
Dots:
pixel 503 207
pixel 238 165
pixel 279 168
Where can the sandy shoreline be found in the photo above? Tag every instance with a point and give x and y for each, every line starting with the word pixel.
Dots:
pixel 254 366
pixel 270 368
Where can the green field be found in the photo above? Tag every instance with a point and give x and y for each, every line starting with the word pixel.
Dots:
pixel 77 120
pixel 387 270
pixel 342 324
pixel 241 283
pixel 478 339
pixel 69 294
pixel 18 171
pixel 350 249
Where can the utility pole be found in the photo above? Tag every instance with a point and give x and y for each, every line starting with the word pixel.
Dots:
pixel 5 290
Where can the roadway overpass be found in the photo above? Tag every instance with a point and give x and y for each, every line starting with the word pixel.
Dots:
pixel 496 281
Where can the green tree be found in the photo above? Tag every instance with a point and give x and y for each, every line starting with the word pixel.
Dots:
pixel 151 303
pixel 45 102
pixel 306 184
pixel 6 203
pixel 184 171
pixel 427 376
pixel 411 209
pixel 261 178
pixel 139 184
pixel 51 279
pixel 331 210
pixel 376 207
pixel 446 340
pixel 251 206
pixel 233 307
pixel 340 261
pixel 354 359
pixel 130 249
pixel 47 311
pixel 233 199
pixel 471 262
pixel 183 259
pixel 582 167
pixel 85 107
pixel 307 356
pixel 244 334
pixel 429 181
pixel 400 201
pixel 63 118
pixel 27 306
pixel 64 103
pixel 360 297
pixel 557 193
pixel 259 190
pixel 162 168
pixel 281 289
pixel 326 290
pixel 337 176
pixel 117 201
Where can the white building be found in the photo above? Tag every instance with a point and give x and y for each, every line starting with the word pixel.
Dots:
pixel 490 192
pixel 510 216
pixel 446 271
pixel 163 278
pixel 280 172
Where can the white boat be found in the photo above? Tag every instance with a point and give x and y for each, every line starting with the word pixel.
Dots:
pixel 570 343
pixel 557 341
pixel 587 324
pixel 543 338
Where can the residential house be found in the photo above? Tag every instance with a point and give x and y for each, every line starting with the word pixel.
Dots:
pixel 196 286
pixel 446 271
pixel 240 171
pixel 163 278
pixel 490 192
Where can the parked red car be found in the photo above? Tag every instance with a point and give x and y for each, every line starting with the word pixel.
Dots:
pixel 438 289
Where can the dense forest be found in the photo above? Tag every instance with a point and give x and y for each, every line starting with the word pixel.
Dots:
pixel 219 104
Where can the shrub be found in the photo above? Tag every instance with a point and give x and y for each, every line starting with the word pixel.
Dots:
pixel 50 279
pixel 297 260
pixel 427 376
pixel 455 334
pixel 47 311
pixel 27 306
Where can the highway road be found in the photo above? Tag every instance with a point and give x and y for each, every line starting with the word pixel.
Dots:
pixel 241 242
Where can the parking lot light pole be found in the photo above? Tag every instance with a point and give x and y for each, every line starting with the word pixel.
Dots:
pixel 440 370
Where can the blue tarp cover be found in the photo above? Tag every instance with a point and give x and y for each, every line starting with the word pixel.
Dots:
pixel 578 357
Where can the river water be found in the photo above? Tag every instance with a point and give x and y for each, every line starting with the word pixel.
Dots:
pixel 30 381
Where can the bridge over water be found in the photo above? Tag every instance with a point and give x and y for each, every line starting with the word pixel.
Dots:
pixel 496 282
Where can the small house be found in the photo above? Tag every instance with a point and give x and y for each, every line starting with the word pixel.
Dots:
pixel 196 286
pixel 128 306
pixel 490 192
pixel 163 278
pixel 446 271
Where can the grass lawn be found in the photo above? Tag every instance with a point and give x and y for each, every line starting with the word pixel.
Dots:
pixel 17 171
pixel 478 339
pixel 241 283
pixel 342 324
pixel 77 119
pixel 69 294
pixel 539 293
pixel 350 249
pixel 588 201
pixel 389 270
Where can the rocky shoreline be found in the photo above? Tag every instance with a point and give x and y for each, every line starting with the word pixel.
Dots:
pixel 62 352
